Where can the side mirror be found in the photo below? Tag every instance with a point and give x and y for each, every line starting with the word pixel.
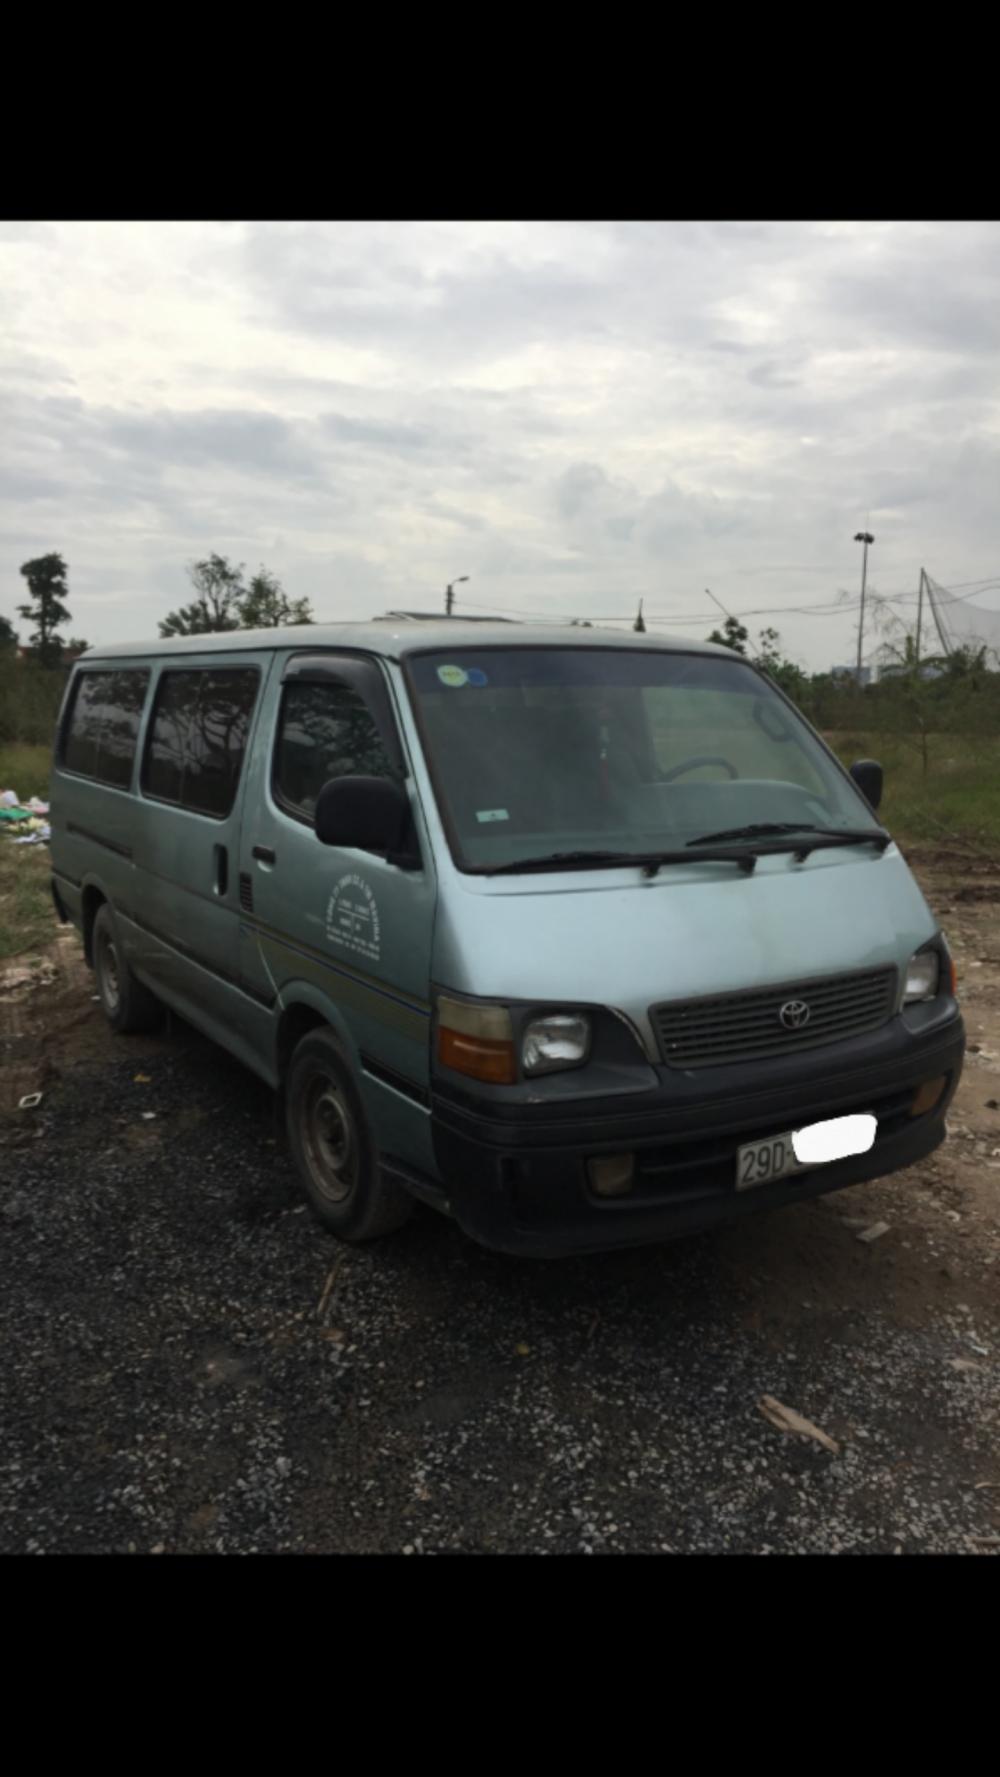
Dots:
pixel 867 774
pixel 368 814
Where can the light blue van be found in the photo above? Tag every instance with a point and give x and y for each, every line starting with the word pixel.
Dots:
pixel 585 939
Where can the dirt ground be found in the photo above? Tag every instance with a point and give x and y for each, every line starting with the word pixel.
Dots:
pixel 181 1383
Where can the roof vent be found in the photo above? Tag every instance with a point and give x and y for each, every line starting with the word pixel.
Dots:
pixel 435 617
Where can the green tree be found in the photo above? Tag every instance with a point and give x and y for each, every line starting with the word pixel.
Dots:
pixel 789 677
pixel 46 577
pixel 266 605
pixel 8 634
pixel 219 587
pixel 732 635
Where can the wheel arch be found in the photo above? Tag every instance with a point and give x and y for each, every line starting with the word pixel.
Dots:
pixel 93 898
pixel 304 1009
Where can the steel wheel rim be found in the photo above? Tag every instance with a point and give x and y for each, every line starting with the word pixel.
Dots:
pixel 330 1139
pixel 110 977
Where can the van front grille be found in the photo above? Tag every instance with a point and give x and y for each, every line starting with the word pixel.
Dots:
pixel 720 1029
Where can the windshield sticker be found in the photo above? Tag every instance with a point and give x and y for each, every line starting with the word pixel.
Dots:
pixel 453 675
pixel 476 676
pixel 352 918
pixel 492 814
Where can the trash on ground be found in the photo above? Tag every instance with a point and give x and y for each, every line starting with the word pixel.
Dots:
pixel 29 1101
pixel 328 1287
pixel 9 799
pixel 141 1079
pixel 786 1419
pixel 875 1232
pixel 964 1363
pixel 147 1116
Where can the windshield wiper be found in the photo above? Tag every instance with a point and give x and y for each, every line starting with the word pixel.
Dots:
pixel 825 836
pixel 649 862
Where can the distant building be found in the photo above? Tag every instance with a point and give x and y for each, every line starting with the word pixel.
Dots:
pixel 864 677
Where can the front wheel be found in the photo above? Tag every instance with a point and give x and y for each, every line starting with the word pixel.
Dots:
pixel 332 1146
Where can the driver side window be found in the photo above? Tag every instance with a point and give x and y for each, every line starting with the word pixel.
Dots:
pixel 325 730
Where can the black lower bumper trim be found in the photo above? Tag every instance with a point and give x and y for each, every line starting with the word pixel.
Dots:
pixel 525 1190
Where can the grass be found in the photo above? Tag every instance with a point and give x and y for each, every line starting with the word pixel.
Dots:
pixel 25 769
pixel 27 917
pixel 959 796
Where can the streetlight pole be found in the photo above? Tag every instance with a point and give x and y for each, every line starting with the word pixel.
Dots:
pixel 864 537
pixel 449 596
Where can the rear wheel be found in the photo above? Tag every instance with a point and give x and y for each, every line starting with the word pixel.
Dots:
pixel 333 1148
pixel 127 1004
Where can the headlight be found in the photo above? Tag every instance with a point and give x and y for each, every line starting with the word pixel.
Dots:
pixel 560 1040
pixel 923 972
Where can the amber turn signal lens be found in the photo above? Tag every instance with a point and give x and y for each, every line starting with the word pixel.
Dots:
pixel 927 1095
pixel 484 1058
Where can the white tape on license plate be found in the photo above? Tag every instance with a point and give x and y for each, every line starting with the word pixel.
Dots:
pixel 836 1139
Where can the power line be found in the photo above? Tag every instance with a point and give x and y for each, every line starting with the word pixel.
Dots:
pixel 825 608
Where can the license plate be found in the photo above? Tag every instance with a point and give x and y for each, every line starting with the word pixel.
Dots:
pixel 759 1161
pixel 819 1143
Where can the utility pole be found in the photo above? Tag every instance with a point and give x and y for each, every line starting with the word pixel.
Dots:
pixel 449 595
pixel 864 537
pixel 639 623
pixel 920 612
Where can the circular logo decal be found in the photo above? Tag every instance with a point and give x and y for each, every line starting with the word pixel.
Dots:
pixel 476 676
pixel 352 918
pixel 453 675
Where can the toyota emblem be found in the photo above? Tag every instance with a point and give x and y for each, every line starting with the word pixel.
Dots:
pixel 794 1014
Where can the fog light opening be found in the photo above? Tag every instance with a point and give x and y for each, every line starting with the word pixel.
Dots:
pixel 611 1175
pixel 928 1095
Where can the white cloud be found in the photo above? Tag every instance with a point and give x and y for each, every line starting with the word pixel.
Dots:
pixel 575 415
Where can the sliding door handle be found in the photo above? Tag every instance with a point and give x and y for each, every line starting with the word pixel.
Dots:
pixel 265 854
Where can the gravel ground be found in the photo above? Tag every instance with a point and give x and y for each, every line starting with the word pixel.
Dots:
pixel 175 1381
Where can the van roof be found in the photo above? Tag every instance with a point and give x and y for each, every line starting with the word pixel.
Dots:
pixel 398 634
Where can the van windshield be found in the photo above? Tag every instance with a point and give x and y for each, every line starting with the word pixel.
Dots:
pixel 538 750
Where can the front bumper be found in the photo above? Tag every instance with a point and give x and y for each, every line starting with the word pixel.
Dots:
pixel 516 1177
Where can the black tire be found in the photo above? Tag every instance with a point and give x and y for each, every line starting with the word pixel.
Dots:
pixel 333 1148
pixel 126 1003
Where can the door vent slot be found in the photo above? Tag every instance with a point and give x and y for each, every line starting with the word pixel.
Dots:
pixel 246 892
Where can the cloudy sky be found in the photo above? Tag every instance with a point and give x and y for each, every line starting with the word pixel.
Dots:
pixel 575 415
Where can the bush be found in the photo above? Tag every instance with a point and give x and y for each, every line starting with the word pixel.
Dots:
pixel 30 695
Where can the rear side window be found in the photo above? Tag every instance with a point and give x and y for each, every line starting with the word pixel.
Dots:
pixel 325 730
pixel 198 737
pixel 103 725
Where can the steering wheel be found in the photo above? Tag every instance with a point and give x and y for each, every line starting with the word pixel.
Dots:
pixel 692 765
